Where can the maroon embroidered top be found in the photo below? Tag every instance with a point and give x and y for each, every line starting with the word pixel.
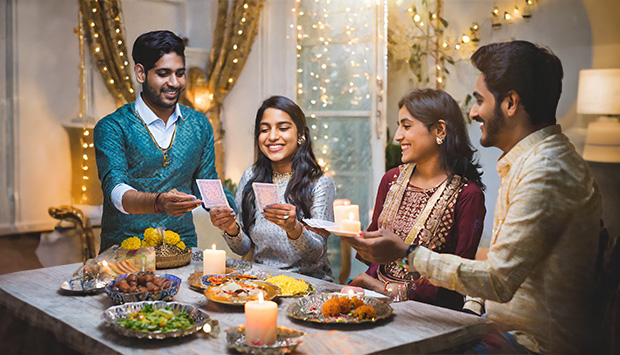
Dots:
pixel 459 233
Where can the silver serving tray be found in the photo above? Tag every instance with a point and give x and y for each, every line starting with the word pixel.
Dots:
pixel 112 314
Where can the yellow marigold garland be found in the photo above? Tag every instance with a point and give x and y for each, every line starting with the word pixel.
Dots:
pixel 151 239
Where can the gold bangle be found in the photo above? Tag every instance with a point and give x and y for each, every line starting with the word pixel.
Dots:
pixel 288 233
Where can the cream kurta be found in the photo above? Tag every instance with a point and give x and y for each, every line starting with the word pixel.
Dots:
pixel 539 275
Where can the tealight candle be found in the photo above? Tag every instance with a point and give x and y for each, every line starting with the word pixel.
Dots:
pixel 352 291
pixel 261 321
pixel 213 261
pixel 351 225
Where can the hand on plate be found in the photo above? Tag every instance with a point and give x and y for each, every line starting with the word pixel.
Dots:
pixel 368 282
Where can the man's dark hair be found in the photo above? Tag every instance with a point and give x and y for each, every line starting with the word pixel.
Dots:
pixel 150 46
pixel 533 72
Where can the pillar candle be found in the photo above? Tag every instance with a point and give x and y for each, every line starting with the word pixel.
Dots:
pixel 351 224
pixel 261 321
pixel 344 212
pixel 213 261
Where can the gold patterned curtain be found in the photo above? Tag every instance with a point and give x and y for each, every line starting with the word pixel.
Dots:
pixel 235 30
pixel 104 32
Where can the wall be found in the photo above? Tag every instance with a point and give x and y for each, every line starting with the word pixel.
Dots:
pixel 583 34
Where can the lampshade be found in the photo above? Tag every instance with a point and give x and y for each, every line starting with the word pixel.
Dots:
pixel 599 90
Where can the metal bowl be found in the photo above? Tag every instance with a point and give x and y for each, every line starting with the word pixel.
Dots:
pixel 119 297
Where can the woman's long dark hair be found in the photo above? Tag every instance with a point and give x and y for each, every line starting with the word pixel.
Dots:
pixel 456 153
pixel 304 166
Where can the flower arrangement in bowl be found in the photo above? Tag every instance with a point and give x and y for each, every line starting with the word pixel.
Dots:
pixel 170 251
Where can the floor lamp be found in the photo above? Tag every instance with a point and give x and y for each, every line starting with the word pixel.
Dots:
pixel 599 94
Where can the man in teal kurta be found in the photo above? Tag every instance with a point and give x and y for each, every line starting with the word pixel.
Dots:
pixel 150 152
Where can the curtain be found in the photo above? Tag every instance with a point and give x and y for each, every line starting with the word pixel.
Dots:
pixel 104 32
pixel 235 30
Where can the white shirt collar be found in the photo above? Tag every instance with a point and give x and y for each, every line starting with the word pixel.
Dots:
pixel 149 117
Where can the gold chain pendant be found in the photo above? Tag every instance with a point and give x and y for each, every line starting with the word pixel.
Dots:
pixel 165 163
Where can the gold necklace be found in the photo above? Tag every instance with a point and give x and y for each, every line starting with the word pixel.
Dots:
pixel 275 176
pixel 165 163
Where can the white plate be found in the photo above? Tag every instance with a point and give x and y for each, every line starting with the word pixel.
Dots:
pixel 342 233
pixel 319 223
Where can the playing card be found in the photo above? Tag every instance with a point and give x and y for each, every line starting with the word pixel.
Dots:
pixel 319 223
pixel 212 193
pixel 266 194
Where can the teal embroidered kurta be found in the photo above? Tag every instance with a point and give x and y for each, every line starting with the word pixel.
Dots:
pixel 126 153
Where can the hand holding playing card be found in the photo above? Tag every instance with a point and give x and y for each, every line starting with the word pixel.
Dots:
pixel 266 194
pixel 282 214
pixel 224 219
pixel 177 203
pixel 212 193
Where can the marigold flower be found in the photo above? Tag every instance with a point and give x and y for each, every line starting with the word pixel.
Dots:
pixel 131 243
pixel 172 237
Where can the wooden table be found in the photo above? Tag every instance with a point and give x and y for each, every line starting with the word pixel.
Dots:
pixel 32 299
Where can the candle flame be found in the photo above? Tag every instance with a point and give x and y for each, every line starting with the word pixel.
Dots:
pixel 260 297
pixel 213 247
pixel 104 263
pixel 342 202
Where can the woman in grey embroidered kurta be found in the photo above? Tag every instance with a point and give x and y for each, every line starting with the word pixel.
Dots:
pixel 284 157
pixel 307 254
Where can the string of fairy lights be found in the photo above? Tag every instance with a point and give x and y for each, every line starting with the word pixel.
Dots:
pixel 333 62
pixel 428 36
pixel 100 25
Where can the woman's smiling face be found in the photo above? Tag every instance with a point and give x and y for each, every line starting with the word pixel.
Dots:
pixel 416 140
pixel 277 137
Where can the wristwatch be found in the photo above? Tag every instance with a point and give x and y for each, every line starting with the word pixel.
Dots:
pixel 405 260
pixel 410 248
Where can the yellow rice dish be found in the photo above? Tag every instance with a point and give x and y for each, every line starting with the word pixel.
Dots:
pixel 290 286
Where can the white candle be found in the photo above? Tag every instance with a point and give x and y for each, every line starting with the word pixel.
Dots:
pixel 213 261
pixel 342 212
pixel 261 321
pixel 351 224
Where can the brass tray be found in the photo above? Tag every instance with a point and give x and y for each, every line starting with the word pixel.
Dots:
pixel 112 314
pixel 286 342
pixel 270 291
pixel 309 309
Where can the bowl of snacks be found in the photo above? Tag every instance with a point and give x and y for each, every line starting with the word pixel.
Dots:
pixel 143 286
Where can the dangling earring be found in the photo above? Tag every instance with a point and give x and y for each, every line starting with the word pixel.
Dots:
pixel 439 141
pixel 301 140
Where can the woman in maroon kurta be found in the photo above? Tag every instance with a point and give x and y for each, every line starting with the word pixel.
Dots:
pixel 434 199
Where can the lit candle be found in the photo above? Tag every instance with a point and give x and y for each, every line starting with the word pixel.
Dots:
pixel 353 291
pixel 213 261
pixel 351 224
pixel 261 321
pixel 342 211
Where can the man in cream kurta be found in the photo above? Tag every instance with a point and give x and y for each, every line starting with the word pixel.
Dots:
pixel 538 280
